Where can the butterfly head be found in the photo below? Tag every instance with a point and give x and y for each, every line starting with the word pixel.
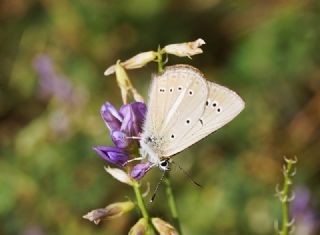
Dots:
pixel 164 164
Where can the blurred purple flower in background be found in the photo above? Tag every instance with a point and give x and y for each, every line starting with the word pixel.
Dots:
pixel 123 125
pixel 51 83
pixel 302 212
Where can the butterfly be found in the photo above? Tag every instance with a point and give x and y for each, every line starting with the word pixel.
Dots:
pixel 183 108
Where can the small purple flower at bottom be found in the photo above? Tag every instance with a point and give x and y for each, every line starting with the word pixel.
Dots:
pixel 140 170
pixel 114 155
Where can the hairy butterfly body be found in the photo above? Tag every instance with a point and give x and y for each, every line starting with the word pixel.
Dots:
pixel 183 108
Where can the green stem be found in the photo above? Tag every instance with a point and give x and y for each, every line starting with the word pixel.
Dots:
pixel 287 173
pixel 172 204
pixel 142 207
pixel 160 60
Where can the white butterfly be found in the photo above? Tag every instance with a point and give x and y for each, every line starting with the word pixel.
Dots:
pixel 183 108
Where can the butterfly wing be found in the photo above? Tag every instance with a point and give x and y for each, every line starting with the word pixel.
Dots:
pixel 220 107
pixel 176 102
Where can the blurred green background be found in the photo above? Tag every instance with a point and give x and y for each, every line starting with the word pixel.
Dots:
pixel 267 51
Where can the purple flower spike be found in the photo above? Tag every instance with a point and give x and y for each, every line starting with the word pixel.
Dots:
pixel 140 170
pixel 111 116
pixel 133 114
pixel 112 154
pixel 120 139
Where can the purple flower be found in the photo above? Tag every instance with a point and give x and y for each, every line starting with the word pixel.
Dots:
pixel 120 139
pixel 111 116
pixel 127 122
pixel 140 170
pixel 114 155
pixel 124 124
pixel 133 117
pixel 50 82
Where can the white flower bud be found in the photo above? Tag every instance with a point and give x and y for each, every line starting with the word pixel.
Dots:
pixel 110 212
pixel 134 62
pixel 110 70
pixel 140 228
pixel 119 175
pixel 139 60
pixel 185 49
pixel 163 227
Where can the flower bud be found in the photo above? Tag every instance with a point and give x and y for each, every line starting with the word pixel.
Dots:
pixel 110 70
pixel 110 212
pixel 119 175
pixel 163 227
pixel 185 49
pixel 140 228
pixel 113 155
pixel 140 170
pixel 139 60
pixel 134 62
pixel 123 81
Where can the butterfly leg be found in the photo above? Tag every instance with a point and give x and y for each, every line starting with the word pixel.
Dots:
pixel 133 159
pixel 134 137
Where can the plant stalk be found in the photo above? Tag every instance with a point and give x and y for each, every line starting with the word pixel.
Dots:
pixel 142 207
pixel 172 204
pixel 160 60
pixel 285 200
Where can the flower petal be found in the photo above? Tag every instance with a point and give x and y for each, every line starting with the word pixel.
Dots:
pixel 119 175
pixel 120 139
pixel 140 170
pixel 111 116
pixel 134 114
pixel 112 154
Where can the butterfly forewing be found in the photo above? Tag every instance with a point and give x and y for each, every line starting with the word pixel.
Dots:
pixel 175 104
pixel 221 106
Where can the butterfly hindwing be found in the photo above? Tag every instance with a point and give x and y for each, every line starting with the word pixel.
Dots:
pixel 221 106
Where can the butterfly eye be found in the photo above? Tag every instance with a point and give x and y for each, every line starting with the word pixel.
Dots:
pixel 164 163
pixel 214 104
pixel 218 110
pixel 188 121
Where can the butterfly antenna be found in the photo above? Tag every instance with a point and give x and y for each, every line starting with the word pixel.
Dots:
pixel 156 189
pixel 188 175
